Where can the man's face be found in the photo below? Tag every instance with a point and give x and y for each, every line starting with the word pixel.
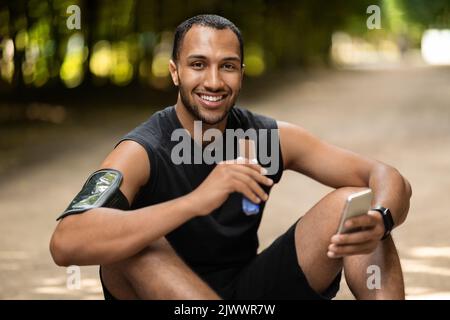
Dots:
pixel 208 73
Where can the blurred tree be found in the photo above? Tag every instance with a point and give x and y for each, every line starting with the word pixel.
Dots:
pixel 127 42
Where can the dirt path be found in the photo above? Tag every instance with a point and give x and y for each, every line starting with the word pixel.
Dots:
pixel 401 117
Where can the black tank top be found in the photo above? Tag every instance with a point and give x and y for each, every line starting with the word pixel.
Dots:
pixel 227 237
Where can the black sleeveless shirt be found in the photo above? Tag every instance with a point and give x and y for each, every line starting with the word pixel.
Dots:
pixel 227 237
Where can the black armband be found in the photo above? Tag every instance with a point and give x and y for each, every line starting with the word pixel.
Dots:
pixel 100 190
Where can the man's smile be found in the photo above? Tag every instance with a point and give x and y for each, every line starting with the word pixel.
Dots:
pixel 211 100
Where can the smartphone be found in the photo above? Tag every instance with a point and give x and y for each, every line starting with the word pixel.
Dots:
pixel 357 204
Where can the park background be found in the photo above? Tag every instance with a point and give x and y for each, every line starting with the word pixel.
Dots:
pixel 375 80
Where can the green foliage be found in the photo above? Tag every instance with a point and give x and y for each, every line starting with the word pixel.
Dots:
pixel 124 42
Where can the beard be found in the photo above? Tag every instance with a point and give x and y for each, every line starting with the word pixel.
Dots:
pixel 195 111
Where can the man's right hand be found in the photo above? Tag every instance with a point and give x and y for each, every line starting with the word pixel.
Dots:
pixel 226 178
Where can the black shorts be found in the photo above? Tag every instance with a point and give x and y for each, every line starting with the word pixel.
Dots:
pixel 272 274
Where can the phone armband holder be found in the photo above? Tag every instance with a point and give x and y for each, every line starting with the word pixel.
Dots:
pixel 100 190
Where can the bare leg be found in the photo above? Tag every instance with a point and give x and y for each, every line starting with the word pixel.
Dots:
pixel 155 273
pixel 386 259
pixel 312 238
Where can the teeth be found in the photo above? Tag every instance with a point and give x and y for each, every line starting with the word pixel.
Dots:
pixel 211 98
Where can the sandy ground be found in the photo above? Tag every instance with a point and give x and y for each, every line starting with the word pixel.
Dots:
pixel 399 116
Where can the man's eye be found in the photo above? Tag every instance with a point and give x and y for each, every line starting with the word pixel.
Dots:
pixel 229 66
pixel 197 65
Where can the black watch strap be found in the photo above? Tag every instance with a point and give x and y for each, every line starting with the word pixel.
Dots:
pixel 387 220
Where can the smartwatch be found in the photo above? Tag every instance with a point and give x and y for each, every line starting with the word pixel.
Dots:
pixel 387 220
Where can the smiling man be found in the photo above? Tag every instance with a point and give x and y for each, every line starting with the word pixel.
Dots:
pixel 161 230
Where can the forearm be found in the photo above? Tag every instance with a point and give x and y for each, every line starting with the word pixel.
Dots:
pixel 105 235
pixel 391 190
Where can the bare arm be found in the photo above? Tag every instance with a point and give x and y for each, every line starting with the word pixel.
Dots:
pixel 336 167
pixel 106 235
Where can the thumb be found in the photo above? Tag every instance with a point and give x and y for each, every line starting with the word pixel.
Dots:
pixel 373 213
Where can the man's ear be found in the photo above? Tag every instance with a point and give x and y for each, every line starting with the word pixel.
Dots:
pixel 173 72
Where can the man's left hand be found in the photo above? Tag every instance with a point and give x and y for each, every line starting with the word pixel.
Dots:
pixel 359 242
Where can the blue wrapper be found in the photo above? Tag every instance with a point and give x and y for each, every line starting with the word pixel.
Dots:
pixel 249 207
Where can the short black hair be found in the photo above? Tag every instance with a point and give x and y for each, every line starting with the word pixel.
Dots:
pixel 206 20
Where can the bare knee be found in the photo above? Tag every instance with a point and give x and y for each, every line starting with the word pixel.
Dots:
pixel 336 202
pixel 326 214
pixel 344 192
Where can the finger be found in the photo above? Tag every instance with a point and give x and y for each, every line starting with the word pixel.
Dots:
pixel 355 237
pixel 252 165
pixel 241 187
pixel 251 183
pixel 241 162
pixel 256 167
pixel 342 251
pixel 255 175
pixel 365 221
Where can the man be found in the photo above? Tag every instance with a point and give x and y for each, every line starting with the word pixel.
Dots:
pixel 161 230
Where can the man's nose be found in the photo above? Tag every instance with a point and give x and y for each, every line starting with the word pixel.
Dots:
pixel 213 80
